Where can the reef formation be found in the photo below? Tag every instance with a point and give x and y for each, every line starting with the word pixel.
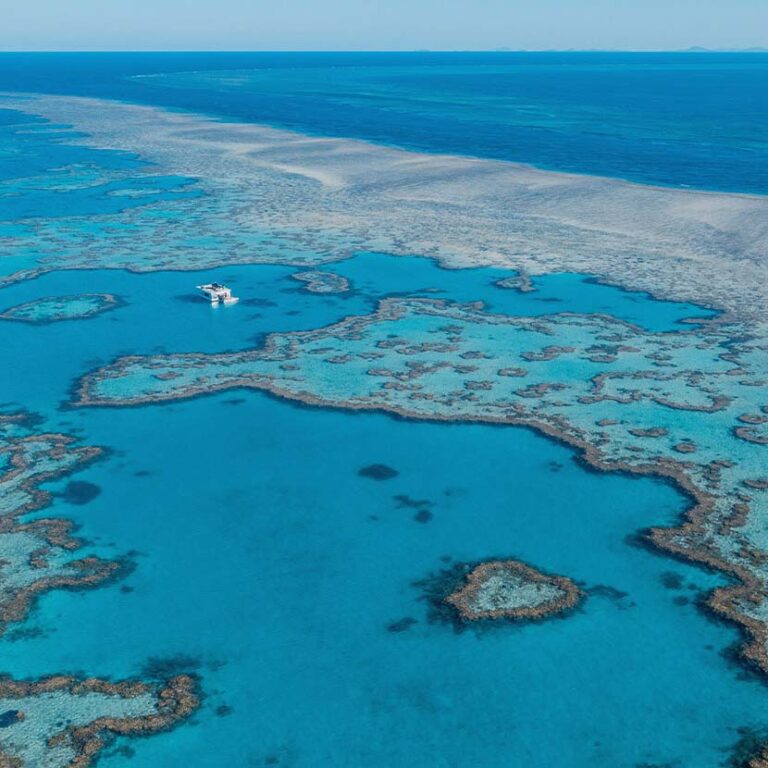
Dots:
pixel 52 309
pixel 689 407
pixel 316 281
pixel 320 200
pixel 64 722
pixel 38 556
pixel 521 282
pixel 626 398
pixel 509 589
pixel 61 720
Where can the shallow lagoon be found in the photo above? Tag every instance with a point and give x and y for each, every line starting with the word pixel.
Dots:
pixel 163 307
pixel 45 177
pixel 258 550
pixel 263 556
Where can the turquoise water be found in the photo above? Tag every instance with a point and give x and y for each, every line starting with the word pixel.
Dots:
pixel 267 564
pixel 162 312
pixel 46 177
pixel 260 557
pixel 263 557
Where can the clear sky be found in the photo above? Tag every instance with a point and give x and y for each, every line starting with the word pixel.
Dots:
pixel 380 24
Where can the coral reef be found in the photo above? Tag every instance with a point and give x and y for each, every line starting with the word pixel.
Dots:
pixel 637 412
pixel 52 309
pixel 521 282
pixel 64 722
pixel 322 282
pixel 688 407
pixel 326 199
pixel 36 557
pixel 509 589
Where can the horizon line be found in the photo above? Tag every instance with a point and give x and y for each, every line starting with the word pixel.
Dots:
pixel 500 49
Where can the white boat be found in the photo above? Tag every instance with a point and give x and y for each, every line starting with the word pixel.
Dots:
pixel 217 293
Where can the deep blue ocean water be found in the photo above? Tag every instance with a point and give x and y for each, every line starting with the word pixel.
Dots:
pixel 264 561
pixel 691 119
